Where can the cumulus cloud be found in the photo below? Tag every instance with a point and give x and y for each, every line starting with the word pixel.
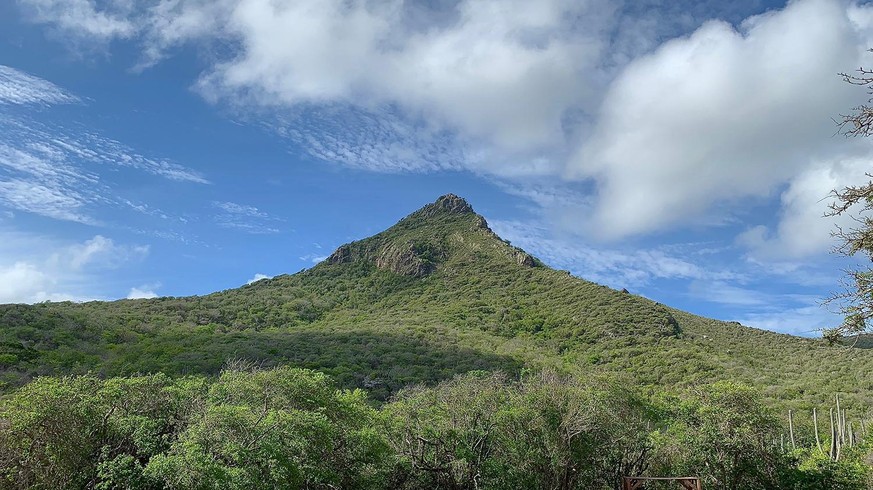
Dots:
pixel 665 117
pixel 35 268
pixel 101 252
pixel 84 17
pixel 503 72
pixel 502 77
pixel 258 277
pixel 142 292
pixel 722 114
pixel 802 229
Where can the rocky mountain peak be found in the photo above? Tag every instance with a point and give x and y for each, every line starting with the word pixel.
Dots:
pixel 453 204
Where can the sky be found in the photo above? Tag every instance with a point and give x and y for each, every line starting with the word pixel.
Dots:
pixel 684 151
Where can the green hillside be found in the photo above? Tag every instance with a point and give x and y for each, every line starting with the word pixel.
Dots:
pixel 481 367
pixel 436 295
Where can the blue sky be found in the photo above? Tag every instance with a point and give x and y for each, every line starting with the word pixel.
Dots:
pixel 683 151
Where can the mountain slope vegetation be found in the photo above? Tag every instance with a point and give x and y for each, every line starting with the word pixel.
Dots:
pixel 436 295
pixel 431 355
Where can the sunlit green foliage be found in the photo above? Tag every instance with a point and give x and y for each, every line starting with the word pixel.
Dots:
pixel 484 306
pixel 293 428
pixel 571 384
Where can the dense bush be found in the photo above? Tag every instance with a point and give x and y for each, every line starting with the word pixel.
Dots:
pixel 292 428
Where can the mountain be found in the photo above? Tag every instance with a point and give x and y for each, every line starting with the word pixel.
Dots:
pixel 435 295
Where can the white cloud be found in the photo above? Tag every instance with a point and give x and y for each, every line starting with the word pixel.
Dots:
pixel 240 209
pixel 83 17
pixel 664 134
pixel 314 257
pixel 807 320
pixel 501 77
pixel 501 72
pixel 50 201
pixel 244 217
pixel 617 268
pixel 23 282
pixel 803 230
pixel 142 292
pixel 724 293
pixel 35 268
pixel 57 172
pixel 258 277
pixel 101 252
pixel 721 115
pixel 18 87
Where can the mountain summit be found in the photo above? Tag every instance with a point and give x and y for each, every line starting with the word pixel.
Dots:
pixel 449 203
pixel 418 244
pixel 435 295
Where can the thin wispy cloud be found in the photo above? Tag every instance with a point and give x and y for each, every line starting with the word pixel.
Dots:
pixel 83 19
pixel 18 87
pixel 632 269
pixel 313 258
pixel 367 140
pixel 243 217
pixel 58 171
pixel 51 201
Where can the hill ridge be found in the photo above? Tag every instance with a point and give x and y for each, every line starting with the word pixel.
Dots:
pixel 436 294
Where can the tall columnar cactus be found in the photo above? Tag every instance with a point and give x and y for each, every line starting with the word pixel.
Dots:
pixel 843 433
pixel 834 452
pixel 815 429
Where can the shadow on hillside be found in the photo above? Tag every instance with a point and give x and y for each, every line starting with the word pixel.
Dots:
pixel 382 363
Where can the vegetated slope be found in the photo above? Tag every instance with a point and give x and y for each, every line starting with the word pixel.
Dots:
pixel 435 295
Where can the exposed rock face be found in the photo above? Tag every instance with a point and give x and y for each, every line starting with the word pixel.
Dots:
pixel 481 223
pixel 420 256
pixel 409 259
pixel 341 255
pixel 453 204
pixel 405 260
pixel 525 259
pixel 449 203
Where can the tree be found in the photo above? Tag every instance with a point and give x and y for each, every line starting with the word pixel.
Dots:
pixel 726 435
pixel 855 302
pixel 276 428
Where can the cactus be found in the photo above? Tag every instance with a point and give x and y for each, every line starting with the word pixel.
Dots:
pixel 843 433
pixel 834 453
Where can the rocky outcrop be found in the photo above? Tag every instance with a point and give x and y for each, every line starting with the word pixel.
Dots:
pixel 448 204
pixel 405 261
pixel 525 259
pixel 451 203
pixel 341 255
pixel 416 259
